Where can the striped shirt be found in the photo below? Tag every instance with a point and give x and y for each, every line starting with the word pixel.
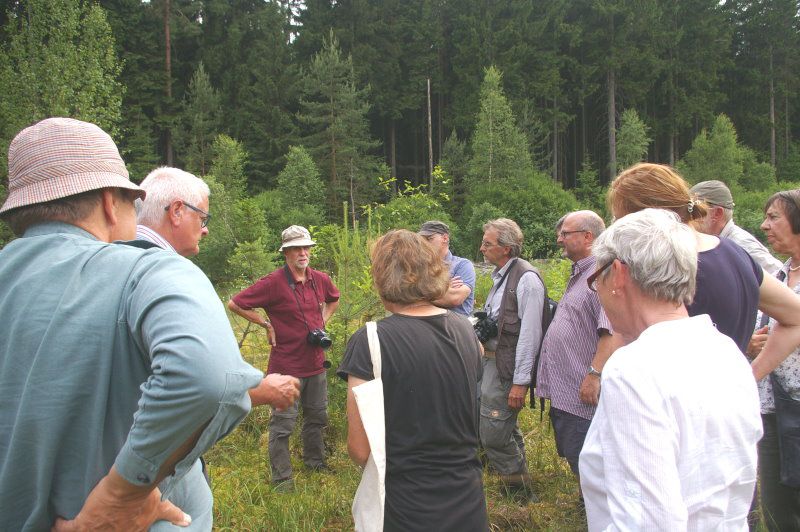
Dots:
pixel 145 233
pixel 571 342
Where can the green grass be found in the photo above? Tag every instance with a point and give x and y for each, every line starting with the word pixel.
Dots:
pixel 245 500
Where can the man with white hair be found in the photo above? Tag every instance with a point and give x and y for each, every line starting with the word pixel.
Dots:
pixel 719 222
pixel 174 215
pixel 118 366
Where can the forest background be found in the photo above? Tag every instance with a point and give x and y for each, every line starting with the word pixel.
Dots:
pixel 355 116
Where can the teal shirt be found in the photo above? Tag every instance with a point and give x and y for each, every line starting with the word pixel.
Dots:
pixel 109 354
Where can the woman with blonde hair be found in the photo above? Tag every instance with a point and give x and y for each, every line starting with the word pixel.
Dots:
pixel 431 364
pixel 730 285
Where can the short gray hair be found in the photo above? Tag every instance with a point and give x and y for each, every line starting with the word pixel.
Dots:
pixel 589 221
pixel 165 185
pixel 508 234
pixel 659 250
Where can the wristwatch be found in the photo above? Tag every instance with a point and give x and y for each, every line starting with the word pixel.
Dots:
pixel 593 371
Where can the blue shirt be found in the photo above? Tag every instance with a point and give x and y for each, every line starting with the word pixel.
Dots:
pixel 466 271
pixel 109 355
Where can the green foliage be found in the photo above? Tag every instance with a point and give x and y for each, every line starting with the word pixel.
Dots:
pixel 588 190
pixel 6 235
pixel 57 58
pixel 410 208
pixel 201 122
pixel 714 154
pixel 228 165
pixel 632 140
pixel 499 149
pixel 336 131
pixel 455 162
pixel 536 206
pixel 299 181
pixel 249 262
pixel 755 175
pixel 789 167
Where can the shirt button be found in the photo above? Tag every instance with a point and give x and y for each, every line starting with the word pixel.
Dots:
pixel 144 479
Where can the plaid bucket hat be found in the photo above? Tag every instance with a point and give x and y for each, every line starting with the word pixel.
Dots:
pixel 61 157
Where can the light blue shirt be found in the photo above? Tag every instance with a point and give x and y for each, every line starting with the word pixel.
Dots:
pixel 464 269
pixel 109 355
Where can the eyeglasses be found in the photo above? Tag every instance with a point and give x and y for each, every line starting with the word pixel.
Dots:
pixel 592 279
pixel 564 234
pixel 486 244
pixel 204 216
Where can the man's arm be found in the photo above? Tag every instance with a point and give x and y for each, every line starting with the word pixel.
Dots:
pixel 530 302
pixel 456 294
pixel 254 316
pixel 590 387
pixel 328 309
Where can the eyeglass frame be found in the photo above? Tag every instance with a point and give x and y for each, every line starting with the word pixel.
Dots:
pixel 565 234
pixel 592 279
pixel 203 221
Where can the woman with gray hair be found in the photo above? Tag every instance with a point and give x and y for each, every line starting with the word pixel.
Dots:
pixel 672 445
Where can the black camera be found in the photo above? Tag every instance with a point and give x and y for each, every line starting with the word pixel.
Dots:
pixel 319 337
pixel 485 327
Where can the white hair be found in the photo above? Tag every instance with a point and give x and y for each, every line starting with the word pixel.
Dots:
pixel 165 185
pixel 659 250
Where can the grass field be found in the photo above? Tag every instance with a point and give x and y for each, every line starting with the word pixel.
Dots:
pixel 244 499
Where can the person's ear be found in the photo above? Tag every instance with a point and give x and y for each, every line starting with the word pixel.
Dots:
pixel 175 212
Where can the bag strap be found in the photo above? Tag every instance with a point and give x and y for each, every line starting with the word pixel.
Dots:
pixel 374 348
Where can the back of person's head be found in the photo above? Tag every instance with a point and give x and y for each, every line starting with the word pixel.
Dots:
pixel 165 185
pixel 649 185
pixel 508 234
pixel 789 201
pixel 57 169
pixel 659 250
pixel 405 269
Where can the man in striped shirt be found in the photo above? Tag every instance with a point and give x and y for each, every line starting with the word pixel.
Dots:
pixel 174 215
pixel 577 343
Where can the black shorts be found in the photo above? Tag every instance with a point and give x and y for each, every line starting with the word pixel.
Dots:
pixel 570 432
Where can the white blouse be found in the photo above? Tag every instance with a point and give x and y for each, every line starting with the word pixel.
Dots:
pixel 673 443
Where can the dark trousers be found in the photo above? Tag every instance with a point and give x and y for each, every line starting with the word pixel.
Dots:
pixel 780 504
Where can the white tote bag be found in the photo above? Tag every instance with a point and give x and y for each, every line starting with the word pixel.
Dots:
pixel 368 503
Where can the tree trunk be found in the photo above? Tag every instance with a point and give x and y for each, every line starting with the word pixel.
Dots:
pixel 430 140
pixel 612 125
pixel 772 151
pixel 555 138
pixel 393 153
pixel 168 72
pixel 786 131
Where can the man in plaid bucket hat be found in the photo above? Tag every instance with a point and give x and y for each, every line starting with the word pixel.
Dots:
pixel 108 394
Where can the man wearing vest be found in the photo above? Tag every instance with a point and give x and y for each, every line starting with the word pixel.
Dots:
pixel 515 302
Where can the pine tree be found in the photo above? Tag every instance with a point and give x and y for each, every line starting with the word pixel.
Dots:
pixel 499 148
pixel 200 123
pixel 632 139
pixel 58 60
pixel 336 130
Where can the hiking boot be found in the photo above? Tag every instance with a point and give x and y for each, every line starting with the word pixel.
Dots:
pixel 519 486
pixel 283 485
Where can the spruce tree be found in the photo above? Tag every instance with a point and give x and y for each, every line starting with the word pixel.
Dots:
pixel 200 123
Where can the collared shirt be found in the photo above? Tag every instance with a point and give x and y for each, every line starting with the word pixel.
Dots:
pixel 571 342
pixel 109 355
pixel 145 233
pixel 788 372
pixel 466 271
pixel 293 312
pixel 672 445
pixel 752 246
pixel 530 303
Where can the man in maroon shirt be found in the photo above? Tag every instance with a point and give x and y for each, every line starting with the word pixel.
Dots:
pixel 298 302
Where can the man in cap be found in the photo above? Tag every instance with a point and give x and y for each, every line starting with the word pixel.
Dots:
pixel 106 398
pixel 174 215
pixel 461 295
pixel 298 301
pixel 719 222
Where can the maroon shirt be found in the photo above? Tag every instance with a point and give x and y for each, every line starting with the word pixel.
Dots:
pixel 292 355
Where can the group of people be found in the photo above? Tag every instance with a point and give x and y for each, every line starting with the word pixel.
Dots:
pixel 119 369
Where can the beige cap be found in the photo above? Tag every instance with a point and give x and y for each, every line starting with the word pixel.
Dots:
pixel 296 236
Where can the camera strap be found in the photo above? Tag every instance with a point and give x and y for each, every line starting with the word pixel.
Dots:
pixel 290 281
pixel 497 287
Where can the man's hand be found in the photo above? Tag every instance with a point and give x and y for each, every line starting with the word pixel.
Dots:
pixel 590 390
pixel 456 282
pixel 516 396
pixel 115 504
pixel 280 391
pixel 757 341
